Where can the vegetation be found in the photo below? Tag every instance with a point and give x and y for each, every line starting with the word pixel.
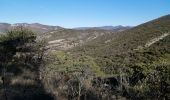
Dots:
pixel 109 67
pixel 68 76
pixel 126 50
pixel 20 58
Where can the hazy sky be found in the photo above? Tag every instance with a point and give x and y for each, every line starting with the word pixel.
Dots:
pixel 78 13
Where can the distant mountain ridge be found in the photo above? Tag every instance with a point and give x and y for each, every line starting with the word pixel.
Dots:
pixel 118 28
pixel 36 27
pixel 41 28
pixel 4 27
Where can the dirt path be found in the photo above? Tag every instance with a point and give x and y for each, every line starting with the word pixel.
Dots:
pixel 152 41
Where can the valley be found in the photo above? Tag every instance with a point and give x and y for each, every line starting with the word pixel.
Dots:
pixel 85 63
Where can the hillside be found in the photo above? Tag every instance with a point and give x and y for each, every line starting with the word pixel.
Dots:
pixel 65 39
pixel 127 40
pixel 133 64
pixel 139 45
pixel 85 64
pixel 138 58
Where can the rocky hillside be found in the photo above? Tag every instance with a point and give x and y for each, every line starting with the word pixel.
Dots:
pixel 128 65
pixel 64 39
pixel 136 60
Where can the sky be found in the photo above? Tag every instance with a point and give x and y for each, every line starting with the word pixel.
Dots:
pixel 83 13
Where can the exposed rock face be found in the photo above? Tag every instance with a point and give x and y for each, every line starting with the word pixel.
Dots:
pixel 60 44
pixel 152 41
pixel 65 39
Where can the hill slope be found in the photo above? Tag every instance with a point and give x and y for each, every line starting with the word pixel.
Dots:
pixel 127 40
pixel 143 44
pixel 65 39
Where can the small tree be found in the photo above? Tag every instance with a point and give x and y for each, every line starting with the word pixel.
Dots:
pixel 18 47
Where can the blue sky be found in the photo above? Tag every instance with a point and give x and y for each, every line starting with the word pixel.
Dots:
pixel 79 13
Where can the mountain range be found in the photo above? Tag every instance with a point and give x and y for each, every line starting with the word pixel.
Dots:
pixel 125 63
pixel 36 27
pixel 118 28
pixel 41 28
pixel 60 38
